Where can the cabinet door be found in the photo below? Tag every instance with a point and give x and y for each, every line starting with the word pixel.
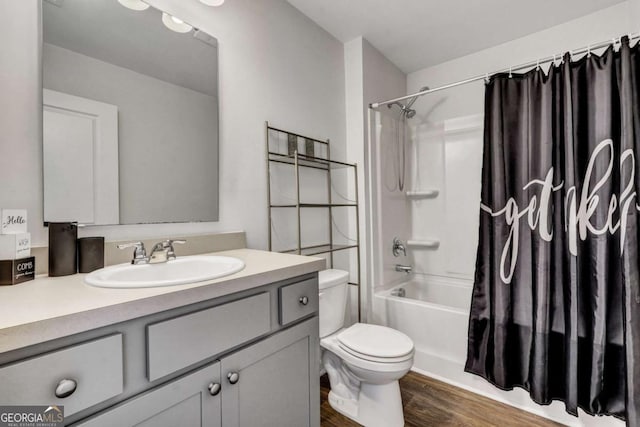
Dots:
pixel 275 382
pixel 185 402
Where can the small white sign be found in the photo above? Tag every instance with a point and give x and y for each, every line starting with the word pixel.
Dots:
pixel 14 221
pixel 15 246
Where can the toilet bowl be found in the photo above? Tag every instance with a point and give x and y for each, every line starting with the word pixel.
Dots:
pixel 364 362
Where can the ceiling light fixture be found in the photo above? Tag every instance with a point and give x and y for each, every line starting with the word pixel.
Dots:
pixel 134 4
pixel 212 2
pixel 175 24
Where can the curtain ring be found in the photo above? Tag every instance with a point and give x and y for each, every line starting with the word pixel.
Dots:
pixel 538 64
pixel 589 51
pixel 510 73
pixel 486 78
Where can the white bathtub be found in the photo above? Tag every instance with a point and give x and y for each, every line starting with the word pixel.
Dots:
pixel 434 312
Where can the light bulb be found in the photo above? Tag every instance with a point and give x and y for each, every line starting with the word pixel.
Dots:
pixel 134 4
pixel 212 2
pixel 175 24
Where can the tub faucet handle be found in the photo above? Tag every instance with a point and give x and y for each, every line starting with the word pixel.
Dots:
pixel 398 247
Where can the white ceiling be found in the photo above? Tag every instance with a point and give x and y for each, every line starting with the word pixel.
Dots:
pixel 415 34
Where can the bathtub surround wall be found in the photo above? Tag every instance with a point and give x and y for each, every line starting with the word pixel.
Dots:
pixel 383 80
pixel 369 77
pixel 258 81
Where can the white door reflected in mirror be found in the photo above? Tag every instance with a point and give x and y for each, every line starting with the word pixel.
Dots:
pixel 80 160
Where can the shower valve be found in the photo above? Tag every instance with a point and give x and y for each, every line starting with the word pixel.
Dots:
pixel 398 247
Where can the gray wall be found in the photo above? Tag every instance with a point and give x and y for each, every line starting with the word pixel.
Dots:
pixel 168 137
pixel 21 112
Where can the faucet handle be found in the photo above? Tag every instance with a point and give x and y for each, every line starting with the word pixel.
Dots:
pixel 139 253
pixel 398 247
pixel 171 254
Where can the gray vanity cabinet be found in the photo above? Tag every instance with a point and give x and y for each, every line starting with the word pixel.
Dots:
pixel 244 360
pixel 185 402
pixel 273 383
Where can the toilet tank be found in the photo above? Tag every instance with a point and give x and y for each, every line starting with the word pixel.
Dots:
pixel 333 300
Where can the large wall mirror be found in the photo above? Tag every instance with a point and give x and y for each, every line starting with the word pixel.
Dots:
pixel 130 119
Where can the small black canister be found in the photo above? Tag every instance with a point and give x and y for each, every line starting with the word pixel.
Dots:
pixel 63 237
pixel 90 254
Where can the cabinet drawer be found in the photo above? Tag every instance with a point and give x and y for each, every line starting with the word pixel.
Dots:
pixel 178 343
pixel 95 367
pixel 298 300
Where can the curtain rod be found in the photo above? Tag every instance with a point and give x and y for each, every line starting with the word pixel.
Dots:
pixel 587 49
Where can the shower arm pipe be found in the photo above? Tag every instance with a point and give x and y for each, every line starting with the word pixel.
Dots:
pixel 485 76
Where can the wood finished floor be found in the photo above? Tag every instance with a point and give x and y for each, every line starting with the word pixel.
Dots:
pixel 428 402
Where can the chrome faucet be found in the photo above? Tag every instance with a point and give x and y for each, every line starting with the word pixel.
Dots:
pixel 405 268
pixel 139 253
pixel 163 251
pixel 398 247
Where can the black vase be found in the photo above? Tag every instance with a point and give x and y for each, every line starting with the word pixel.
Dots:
pixel 90 254
pixel 63 259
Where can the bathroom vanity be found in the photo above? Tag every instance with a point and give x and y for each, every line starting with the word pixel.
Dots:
pixel 238 351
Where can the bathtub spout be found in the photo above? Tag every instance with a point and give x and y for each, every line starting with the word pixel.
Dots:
pixel 405 268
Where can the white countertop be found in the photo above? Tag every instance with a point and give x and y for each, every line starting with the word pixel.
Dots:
pixel 53 307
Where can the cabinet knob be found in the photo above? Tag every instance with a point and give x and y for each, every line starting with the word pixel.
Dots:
pixel 214 389
pixel 233 377
pixel 65 388
pixel 304 300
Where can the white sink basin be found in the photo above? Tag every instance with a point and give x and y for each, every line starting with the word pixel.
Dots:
pixel 180 271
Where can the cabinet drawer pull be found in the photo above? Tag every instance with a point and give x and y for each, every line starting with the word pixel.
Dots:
pixel 214 389
pixel 233 377
pixel 65 388
pixel 304 300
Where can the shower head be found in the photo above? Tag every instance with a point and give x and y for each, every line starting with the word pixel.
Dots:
pixel 406 110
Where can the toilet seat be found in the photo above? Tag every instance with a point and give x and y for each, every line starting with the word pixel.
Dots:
pixel 376 359
pixel 376 343
pixel 363 336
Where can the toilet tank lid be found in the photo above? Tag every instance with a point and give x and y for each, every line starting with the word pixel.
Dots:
pixel 332 277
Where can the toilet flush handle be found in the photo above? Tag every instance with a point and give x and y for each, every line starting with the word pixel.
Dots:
pixel 304 300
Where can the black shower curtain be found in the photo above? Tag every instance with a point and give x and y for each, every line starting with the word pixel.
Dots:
pixel 556 299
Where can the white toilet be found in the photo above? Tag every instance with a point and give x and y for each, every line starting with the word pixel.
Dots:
pixel 364 362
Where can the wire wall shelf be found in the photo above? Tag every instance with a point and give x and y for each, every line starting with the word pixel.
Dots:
pixel 299 152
